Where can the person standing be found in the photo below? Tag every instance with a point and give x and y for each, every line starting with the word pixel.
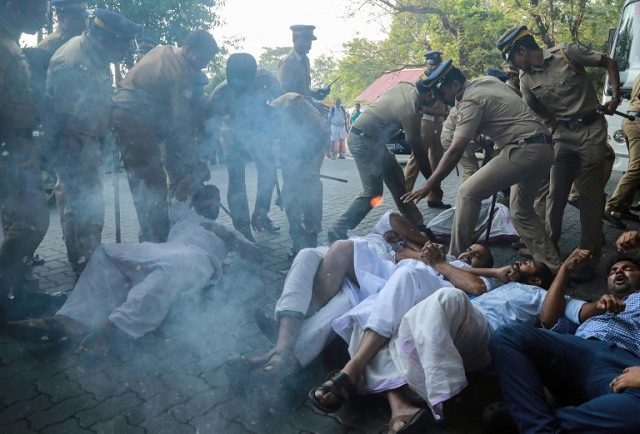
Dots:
pixel 486 106
pixel 73 20
pixel 338 122
pixel 398 107
pixel 78 106
pixel 430 130
pixel 156 129
pixel 356 113
pixel 555 85
pixel 23 206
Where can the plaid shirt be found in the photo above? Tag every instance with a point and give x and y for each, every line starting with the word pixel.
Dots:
pixel 622 330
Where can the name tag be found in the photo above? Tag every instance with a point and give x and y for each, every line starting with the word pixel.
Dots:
pixel 429 118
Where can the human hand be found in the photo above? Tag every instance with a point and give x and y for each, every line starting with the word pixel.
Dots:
pixel 630 378
pixel 628 240
pixel 610 107
pixel 433 253
pixel 415 196
pixel 217 229
pixel 577 259
pixel 611 304
pixel 509 273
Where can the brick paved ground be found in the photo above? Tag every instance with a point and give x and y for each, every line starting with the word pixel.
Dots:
pixel 171 381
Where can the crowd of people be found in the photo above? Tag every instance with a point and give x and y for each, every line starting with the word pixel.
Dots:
pixel 415 318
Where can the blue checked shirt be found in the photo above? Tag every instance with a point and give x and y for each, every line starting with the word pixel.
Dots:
pixel 622 329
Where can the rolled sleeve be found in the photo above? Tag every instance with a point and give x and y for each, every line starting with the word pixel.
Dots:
pixel 468 120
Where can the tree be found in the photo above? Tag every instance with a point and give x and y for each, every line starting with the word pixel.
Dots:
pixel 270 58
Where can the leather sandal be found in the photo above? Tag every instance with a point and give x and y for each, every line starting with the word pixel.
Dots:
pixel 341 381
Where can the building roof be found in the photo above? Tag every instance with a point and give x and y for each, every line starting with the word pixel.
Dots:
pixel 385 81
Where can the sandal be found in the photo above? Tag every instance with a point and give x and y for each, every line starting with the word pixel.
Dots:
pixel 413 424
pixel 340 381
pixel 43 331
pixel 90 345
pixel 238 372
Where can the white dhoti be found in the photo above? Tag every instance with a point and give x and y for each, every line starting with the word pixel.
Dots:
pixel 134 285
pixel 438 340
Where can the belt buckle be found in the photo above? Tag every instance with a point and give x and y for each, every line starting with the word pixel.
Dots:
pixel 577 125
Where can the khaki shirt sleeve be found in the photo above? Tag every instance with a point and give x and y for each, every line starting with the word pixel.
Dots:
pixel 468 119
pixel 578 54
pixel 411 127
pixel 183 124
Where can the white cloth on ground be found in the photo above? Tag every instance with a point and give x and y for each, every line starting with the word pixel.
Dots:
pixel 134 285
pixel 447 334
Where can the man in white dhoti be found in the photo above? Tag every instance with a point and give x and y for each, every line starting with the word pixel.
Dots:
pixel 130 287
pixel 322 285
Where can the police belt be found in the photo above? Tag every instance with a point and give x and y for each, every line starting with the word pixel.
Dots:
pixel 540 138
pixel 358 132
pixel 24 133
pixel 585 121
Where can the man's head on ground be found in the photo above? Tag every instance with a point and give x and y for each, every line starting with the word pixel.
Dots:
pixel 114 34
pixel 623 276
pixel 26 16
pixel 303 37
pixel 533 273
pixel 73 16
pixel 519 48
pixel 206 201
pixel 478 256
pixel 199 49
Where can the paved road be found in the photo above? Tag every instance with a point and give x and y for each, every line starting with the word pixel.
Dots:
pixel 171 381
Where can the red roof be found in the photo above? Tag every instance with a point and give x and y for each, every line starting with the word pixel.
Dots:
pixel 386 80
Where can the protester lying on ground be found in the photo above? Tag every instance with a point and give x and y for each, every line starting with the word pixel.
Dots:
pixel 368 326
pixel 433 361
pixel 591 365
pixel 311 298
pixel 130 287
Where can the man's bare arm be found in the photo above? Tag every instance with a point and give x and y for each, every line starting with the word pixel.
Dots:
pixel 433 255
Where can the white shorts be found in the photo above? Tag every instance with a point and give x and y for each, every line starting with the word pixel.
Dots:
pixel 338 133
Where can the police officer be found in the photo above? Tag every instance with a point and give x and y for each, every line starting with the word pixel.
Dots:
pixel 430 131
pixel 239 107
pixel 513 79
pixel 79 88
pixel 301 156
pixel 144 46
pixel 73 19
pixel 294 70
pixel 155 127
pixel 555 85
pixel 487 106
pixel 22 200
pixel 398 107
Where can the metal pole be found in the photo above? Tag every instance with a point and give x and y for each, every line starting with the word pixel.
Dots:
pixel 493 207
pixel 116 188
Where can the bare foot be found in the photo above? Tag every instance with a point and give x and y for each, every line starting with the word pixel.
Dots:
pixel 400 418
pixel 329 399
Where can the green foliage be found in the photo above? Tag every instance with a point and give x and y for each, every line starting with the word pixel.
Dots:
pixel 270 58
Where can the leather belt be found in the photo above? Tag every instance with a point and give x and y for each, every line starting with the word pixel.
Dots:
pixel 540 138
pixel 636 114
pixel 585 121
pixel 25 133
pixel 357 131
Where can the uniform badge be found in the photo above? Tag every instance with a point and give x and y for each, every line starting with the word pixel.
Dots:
pixel 459 117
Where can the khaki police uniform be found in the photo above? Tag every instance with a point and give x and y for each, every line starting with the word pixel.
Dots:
pixel 513 88
pixel 54 41
pixel 79 87
pixel 630 182
pixel 22 200
pixel 156 132
pixel 294 73
pixel 468 161
pixel 398 107
pixel 430 131
pixel 249 127
pixel 301 153
pixel 486 106
pixel 560 90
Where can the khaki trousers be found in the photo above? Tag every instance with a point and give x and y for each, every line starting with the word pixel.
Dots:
pixel 523 168
pixel 579 155
pixel 140 150
pixel 24 210
pixel 630 182
pixel 430 134
pixel 80 196
pixel 377 167
pixel 468 161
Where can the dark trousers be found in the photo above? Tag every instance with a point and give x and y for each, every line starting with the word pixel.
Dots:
pixel 577 371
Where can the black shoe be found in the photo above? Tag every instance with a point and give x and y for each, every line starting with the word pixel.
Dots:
pixel 38 260
pixel 267 325
pixel 439 205
pixel 525 253
pixel 574 202
pixel 583 274
pixel 615 221
pixel 25 306
pixel 341 157
pixel 496 419
pixel 263 223
pixel 334 236
pixel 428 232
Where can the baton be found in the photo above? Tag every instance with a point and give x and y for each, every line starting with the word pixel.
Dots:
pixel 224 208
pixel 600 107
pixel 319 175
pixel 493 207
pixel 116 188
pixel 331 84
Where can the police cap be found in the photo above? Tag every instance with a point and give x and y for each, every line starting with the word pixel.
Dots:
pixel 433 57
pixel 116 24
pixel 435 79
pixel 303 30
pixel 509 41
pixel 71 7
pixel 493 72
pixel 145 45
